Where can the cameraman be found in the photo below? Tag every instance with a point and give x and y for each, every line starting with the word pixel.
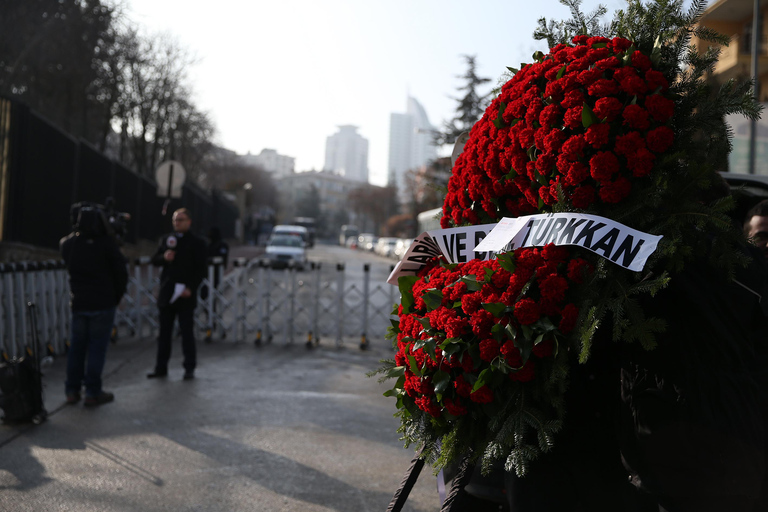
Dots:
pixel 98 278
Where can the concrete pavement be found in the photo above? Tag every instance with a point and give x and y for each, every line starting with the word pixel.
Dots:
pixel 270 428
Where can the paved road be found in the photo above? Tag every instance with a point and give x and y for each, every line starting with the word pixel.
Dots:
pixel 273 428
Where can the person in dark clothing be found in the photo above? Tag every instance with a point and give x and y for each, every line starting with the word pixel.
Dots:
pixel 756 226
pixel 181 254
pixel 693 410
pixel 98 278
pixel 217 247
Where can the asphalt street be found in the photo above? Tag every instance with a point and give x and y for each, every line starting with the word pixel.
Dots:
pixel 270 428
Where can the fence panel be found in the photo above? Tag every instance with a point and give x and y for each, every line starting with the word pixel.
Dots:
pixel 252 302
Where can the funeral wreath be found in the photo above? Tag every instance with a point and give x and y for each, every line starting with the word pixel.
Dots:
pixel 617 121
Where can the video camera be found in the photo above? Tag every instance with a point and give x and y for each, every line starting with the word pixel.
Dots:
pixel 95 219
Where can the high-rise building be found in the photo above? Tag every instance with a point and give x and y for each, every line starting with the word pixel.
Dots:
pixel 411 143
pixel 346 153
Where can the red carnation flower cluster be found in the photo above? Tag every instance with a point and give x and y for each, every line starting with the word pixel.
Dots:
pixel 477 328
pixel 580 126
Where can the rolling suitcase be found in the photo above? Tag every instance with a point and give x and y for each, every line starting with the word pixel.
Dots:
pixel 21 382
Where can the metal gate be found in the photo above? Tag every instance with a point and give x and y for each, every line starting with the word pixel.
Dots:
pixel 251 303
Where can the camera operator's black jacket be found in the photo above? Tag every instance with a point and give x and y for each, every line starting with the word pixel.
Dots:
pixel 98 275
pixel 188 267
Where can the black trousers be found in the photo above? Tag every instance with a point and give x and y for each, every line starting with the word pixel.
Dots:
pixel 186 323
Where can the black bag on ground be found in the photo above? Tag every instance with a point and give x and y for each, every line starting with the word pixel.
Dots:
pixel 20 398
pixel 21 383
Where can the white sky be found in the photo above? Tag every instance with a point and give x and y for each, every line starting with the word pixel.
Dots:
pixel 282 74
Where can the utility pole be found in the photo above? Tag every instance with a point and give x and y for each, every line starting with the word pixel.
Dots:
pixel 756 85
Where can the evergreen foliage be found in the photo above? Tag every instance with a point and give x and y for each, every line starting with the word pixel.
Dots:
pixel 470 106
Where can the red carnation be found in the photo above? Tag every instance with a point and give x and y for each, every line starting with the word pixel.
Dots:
pixel 573 148
pixel 656 80
pixel 659 107
pixel 550 116
pixel 511 354
pixel 572 117
pixel 608 108
pixel 527 311
pixel 578 269
pixel 426 404
pixel 470 303
pixel 463 388
pixel 489 349
pixel 454 408
pixel 629 143
pixel 589 76
pixel 570 314
pixel 577 172
pixel 603 166
pixel 641 61
pixel 574 98
pixel 620 44
pixel 636 117
pixel 484 395
pixel 641 163
pixel 554 253
pixel 616 191
pixel 603 88
pixel 524 374
pixel 659 139
pixel 583 197
pixel 597 134
pixel 553 288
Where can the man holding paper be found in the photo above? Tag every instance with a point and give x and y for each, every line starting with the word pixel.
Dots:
pixel 182 256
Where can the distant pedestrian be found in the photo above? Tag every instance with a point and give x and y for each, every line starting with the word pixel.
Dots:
pixel 217 247
pixel 98 278
pixel 181 254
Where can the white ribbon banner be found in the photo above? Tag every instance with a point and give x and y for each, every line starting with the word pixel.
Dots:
pixel 454 243
pixel 627 247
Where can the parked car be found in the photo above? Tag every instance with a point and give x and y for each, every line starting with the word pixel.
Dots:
pixel 367 241
pixel 289 229
pixel 401 246
pixel 385 246
pixel 285 250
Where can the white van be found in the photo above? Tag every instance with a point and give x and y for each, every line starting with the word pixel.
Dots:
pixel 288 229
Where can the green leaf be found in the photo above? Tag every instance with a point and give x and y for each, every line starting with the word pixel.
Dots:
pixel 600 45
pixel 562 71
pixel 441 380
pixel 511 331
pixel 393 392
pixel 499 121
pixel 480 382
pixel 507 261
pixel 395 324
pixel 513 70
pixel 424 321
pixel 419 344
pixel 546 324
pixel 472 284
pixel 453 349
pixel 588 118
pixel 414 367
pixel 405 284
pixel 495 308
pixel 397 371
pixel 538 56
pixel 433 299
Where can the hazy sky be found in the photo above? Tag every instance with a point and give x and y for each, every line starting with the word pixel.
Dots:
pixel 282 74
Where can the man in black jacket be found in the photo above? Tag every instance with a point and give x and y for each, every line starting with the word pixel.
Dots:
pixel 182 256
pixel 97 279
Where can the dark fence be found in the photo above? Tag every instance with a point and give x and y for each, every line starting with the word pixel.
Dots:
pixel 43 171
